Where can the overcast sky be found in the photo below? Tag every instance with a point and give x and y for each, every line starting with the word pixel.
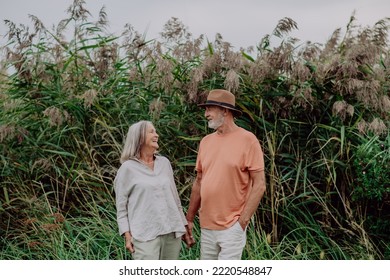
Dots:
pixel 241 22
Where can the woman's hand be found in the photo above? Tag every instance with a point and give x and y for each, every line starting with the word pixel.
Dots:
pixel 129 244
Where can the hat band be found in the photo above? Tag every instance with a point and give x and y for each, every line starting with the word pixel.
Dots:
pixel 212 102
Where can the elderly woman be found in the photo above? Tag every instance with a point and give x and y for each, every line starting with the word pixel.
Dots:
pixel 149 211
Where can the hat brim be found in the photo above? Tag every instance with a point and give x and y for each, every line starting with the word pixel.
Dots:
pixel 235 111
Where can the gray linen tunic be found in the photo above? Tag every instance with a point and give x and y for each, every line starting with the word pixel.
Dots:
pixel 147 201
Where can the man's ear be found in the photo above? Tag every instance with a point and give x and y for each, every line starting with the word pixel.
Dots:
pixel 225 111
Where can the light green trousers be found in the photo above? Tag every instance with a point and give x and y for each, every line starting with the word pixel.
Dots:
pixel 163 247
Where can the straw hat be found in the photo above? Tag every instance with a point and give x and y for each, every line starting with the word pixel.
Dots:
pixel 222 98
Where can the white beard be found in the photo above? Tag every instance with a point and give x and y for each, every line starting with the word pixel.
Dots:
pixel 214 124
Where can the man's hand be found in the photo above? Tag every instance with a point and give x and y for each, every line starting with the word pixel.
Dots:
pixel 188 237
pixel 242 223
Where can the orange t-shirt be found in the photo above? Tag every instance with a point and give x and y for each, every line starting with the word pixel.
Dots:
pixel 224 161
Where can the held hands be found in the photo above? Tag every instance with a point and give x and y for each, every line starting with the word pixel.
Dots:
pixel 187 237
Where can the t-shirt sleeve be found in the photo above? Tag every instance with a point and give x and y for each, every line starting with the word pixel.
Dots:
pixel 198 165
pixel 255 157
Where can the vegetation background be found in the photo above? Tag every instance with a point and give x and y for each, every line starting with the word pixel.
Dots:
pixel 320 111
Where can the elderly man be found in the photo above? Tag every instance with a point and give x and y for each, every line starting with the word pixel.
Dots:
pixel 230 181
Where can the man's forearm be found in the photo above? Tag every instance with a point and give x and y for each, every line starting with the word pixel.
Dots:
pixel 254 197
pixel 194 200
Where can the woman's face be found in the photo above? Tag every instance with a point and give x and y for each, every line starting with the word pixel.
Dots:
pixel 151 138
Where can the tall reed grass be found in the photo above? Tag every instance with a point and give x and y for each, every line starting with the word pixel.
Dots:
pixel 320 111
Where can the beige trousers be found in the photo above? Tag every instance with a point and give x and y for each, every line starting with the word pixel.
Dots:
pixel 163 247
pixel 224 244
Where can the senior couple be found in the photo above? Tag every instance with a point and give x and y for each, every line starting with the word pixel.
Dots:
pixel 229 185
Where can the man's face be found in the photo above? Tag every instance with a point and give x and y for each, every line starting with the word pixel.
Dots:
pixel 214 116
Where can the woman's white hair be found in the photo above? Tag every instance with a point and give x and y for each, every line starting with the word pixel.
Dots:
pixel 134 140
